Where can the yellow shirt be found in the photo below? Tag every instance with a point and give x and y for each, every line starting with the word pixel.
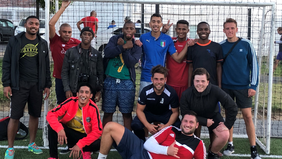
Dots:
pixel 76 123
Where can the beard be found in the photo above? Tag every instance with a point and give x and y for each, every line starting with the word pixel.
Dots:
pixel 188 133
pixel 158 89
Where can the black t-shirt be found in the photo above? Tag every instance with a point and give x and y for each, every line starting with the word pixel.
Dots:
pixel 84 61
pixel 158 104
pixel 206 56
pixel 29 60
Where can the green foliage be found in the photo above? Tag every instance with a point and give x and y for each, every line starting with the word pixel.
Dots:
pixel 52 5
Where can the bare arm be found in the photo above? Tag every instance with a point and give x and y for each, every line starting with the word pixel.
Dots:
pixel 190 74
pixel 178 57
pixel 96 28
pixel 78 25
pixel 140 114
pixel 172 119
pixel 55 18
pixel 219 73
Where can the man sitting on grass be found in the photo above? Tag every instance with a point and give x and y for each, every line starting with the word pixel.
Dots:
pixel 77 123
pixel 169 143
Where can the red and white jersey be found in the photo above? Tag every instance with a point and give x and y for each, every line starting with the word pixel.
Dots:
pixel 189 147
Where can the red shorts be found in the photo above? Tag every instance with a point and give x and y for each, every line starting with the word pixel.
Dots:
pixel 179 90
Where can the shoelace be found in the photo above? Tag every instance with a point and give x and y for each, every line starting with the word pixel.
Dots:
pixel 34 146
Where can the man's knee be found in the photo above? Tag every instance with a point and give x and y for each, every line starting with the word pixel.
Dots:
pixel 110 126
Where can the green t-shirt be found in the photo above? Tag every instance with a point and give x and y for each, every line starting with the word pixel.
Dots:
pixel 117 69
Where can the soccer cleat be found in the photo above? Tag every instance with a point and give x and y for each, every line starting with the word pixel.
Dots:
pixel 229 150
pixel 65 151
pixel 32 147
pixel 212 155
pixel 254 153
pixel 86 155
pixel 10 153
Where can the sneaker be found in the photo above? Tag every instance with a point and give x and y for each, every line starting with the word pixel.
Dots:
pixel 32 147
pixel 86 155
pixel 10 153
pixel 254 154
pixel 229 150
pixel 212 155
pixel 65 151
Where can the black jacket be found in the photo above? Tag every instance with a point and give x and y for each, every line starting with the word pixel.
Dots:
pixel 205 104
pixel 130 56
pixel 71 69
pixel 10 67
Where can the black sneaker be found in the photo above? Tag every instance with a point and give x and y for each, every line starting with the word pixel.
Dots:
pixel 254 153
pixel 65 151
pixel 212 155
pixel 229 150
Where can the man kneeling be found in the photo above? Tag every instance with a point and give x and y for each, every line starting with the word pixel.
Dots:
pixel 77 123
pixel 168 143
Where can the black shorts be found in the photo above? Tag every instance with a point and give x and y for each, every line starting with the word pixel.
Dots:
pixel 28 93
pixel 216 119
pixel 240 96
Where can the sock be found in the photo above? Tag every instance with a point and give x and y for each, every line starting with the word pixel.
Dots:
pixel 254 148
pixel 102 156
pixel 231 143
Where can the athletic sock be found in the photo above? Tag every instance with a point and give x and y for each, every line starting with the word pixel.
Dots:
pixel 231 143
pixel 102 156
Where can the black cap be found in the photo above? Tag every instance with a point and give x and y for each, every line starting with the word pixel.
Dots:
pixel 87 29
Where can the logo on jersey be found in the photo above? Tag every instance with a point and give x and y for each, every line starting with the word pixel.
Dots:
pixel 29 50
pixel 162 101
pixel 163 43
pixel 241 50
pixel 172 135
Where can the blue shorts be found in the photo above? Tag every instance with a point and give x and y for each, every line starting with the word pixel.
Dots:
pixel 118 92
pixel 131 147
pixel 279 56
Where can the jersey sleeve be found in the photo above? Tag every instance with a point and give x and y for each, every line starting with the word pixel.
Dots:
pixel 174 100
pixel 142 97
pixel 219 57
pixel 161 136
pixel 189 55
pixel 200 151
pixel 83 19
pixel 171 47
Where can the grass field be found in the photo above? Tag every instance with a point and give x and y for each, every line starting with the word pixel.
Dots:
pixel 241 147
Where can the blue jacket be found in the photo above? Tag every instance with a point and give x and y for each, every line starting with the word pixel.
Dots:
pixel 130 56
pixel 240 68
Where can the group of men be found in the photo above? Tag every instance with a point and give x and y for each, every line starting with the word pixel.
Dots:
pixel 194 68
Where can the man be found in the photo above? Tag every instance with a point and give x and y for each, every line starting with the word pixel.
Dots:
pixel 92 22
pixel 155 47
pixel 241 62
pixel 79 125
pixel 83 64
pixel 178 72
pixel 121 55
pixel 279 56
pixel 169 143
pixel 26 73
pixel 112 25
pixel 202 98
pixel 205 54
pixel 58 46
pixel 158 102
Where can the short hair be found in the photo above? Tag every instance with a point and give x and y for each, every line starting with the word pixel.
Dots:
pixel 156 15
pixel 189 112
pixel 201 71
pixel 279 29
pixel 128 22
pixel 138 21
pixel 64 25
pixel 159 69
pixel 183 22
pixel 93 11
pixel 203 23
pixel 85 84
pixel 230 20
pixel 32 16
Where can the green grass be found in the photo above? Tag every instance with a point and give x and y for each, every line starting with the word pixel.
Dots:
pixel 241 147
